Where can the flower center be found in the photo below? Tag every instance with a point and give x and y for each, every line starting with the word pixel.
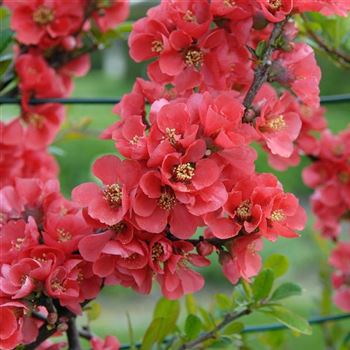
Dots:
pixel 275 4
pixel 56 286
pixel 36 120
pixel 194 57
pixel 119 227
pixel 41 259
pixel 171 135
pixel 184 172
pixel 157 46
pixel 189 16
pixel 167 199
pixel 278 215
pixel 43 15
pixel 229 3
pixel 63 235
pixel 113 195
pixel 135 140
pixel 276 124
pixel 157 251
pixel 244 210
pixel 18 243
pixel 344 177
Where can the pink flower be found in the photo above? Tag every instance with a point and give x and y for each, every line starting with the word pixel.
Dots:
pixel 65 232
pixel 243 260
pixel 340 260
pixel 11 313
pixel 16 280
pixel 201 191
pixel 177 278
pixel 275 10
pixel 302 74
pixel 278 124
pixel 16 236
pixel 155 206
pixel 110 13
pixel 110 203
pixel 38 78
pixel 43 123
pixel 110 343
pixel 41 21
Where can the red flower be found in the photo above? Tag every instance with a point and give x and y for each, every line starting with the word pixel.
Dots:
pixel 110 13
pixel 110 203
pixel 155 206
pixel 38 78
pixel 11 314
pixel 110 343
pixel 43 123
pixel 42 21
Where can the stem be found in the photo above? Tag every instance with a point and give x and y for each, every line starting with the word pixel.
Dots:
pixel 212 334
pixel 73 335
pixel 341 57
pixel 261 73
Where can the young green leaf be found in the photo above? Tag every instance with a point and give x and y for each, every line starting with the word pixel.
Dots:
pixel 191 304
pixel 234 327
pixel 153 333
pixel 223 301
pixel 286 290
pixel 262 285
pixel 277 263
pixel 93 311
pixel 193 326
pixel 169 311
pixel 288 318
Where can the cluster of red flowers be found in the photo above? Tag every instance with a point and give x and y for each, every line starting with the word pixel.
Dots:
pixel 329 175
pixel 189 158
pixel 50 52
pixel 39 229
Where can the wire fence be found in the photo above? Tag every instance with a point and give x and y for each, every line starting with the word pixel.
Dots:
pixel 264 328
pixel 333 99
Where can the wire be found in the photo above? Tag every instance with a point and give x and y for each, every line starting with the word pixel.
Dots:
pixel 267 328
pixel 333 99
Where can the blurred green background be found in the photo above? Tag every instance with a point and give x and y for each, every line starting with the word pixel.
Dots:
pixel 75 154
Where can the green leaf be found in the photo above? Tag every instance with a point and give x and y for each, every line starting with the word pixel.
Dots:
pixel 261 48
pixel 193 326
pixel 223 301
pixel 153 334
pixel 288 318
pixel 222 343
pixel 286 290
pixel 130 332
pixel 234 327
pixel 207 318
pixel 4 64
pixel 93 311
pixel 5 38
pixel 262 284
pixel 277 263
pixel 191 304
pixel 169 311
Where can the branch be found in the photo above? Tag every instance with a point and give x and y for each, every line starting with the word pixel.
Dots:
pixel 340 56
pixel 261 73
pixel 212 334
pixel 73 335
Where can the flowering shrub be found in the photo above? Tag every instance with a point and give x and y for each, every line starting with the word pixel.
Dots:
pixel 224 76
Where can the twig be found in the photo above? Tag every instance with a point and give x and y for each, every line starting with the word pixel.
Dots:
pixel 212 334
pixel 73 335
pixel 261 73
pixel 344 58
